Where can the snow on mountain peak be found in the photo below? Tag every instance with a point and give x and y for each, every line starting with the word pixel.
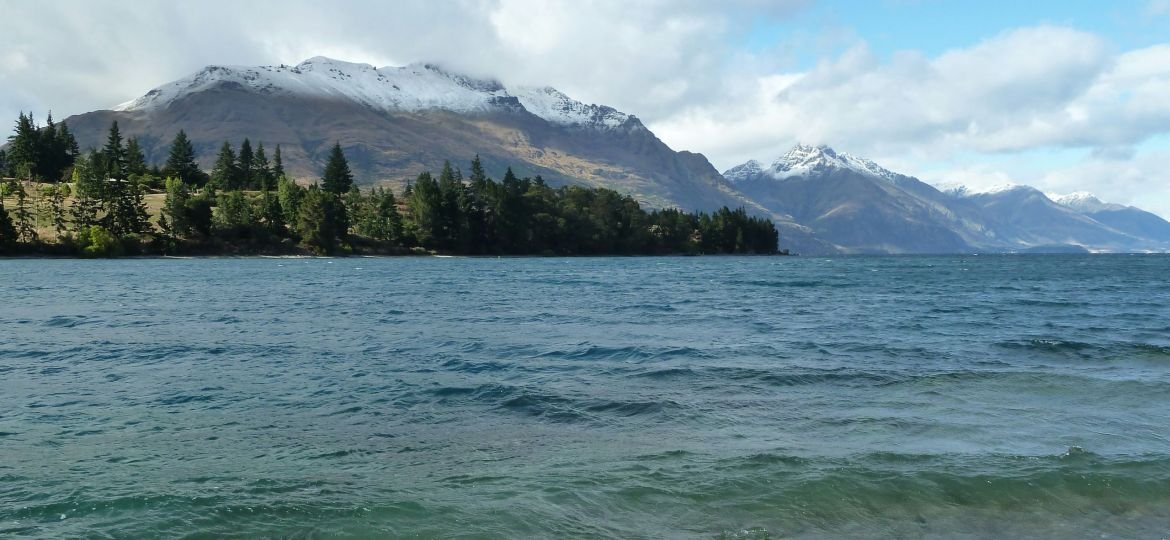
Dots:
pixel 411 88
pixel 1083 201
pixel 748 170
pixel 962 190
pixel 805 159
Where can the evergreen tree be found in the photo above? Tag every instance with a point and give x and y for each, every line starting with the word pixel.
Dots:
pixel 337 179
pixel 7 231
pixel 3 163
pixel 289 195
pixel 128 213
pixel 181 161
pixel 317 221
pixel 114 154
pixel 246 166
pixel 26 230
pixel 233 215
pixel 56 196
pixel 377 217
pixel 68 143
pixel 224 173
pixel 174 212
pixel 277 164
pixel 23 146
pixel 135 158
pixel 451 216
pixel 426 204
pixel 89 192
pixel 262 172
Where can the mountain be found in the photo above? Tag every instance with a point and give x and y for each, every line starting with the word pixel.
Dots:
pixel 857 206
pixel 1127 219
pixel 395 122
pixel 1035 220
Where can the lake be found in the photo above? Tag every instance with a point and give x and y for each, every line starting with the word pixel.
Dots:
pixel 707 397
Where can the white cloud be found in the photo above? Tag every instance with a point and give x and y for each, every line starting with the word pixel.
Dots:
pixel 649 57
pixel 1028 88
pixel 1140 180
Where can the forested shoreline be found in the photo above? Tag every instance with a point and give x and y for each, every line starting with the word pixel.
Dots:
pixel 57 200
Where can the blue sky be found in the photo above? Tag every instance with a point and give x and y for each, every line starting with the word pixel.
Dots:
pixel 1066 96
pixel 934 26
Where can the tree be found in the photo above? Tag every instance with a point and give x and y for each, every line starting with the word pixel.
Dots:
pixel 181 161
pixel 337 179
pixel 233 215
pixel 89 190
pixel 23 145
pixel 7 231
pixel 262 172
pixel 174 215
pixel 224 173
pixel 135 158
pixel 317 220
pixel 277 164
pixel 289 195
pixel 26 230
pixel 56 196
pixel 114 154
pixel 246 166
pixel 425 202
pixel 377 216
pixel 128 213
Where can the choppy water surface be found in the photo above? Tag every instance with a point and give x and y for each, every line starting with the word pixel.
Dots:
pixel 915 397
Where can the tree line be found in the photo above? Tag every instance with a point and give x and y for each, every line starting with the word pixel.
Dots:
pixel 95 203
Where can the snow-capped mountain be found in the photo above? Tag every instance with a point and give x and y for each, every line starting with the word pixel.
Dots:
pixel 1084 202
pixel 395 122
pixel 412 88
pixel 860 206
pixel 1127 219
pixel 803 160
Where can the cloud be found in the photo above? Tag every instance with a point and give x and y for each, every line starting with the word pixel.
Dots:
pixel 649 57
pixel 1025 89
pixel 1138 181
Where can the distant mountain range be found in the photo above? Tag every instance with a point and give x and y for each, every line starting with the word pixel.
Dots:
pixel 395 122
pixel 860 207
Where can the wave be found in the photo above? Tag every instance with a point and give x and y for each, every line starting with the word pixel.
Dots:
pixel 1103 351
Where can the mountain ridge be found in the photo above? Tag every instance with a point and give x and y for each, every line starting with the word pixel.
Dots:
pixel 844 198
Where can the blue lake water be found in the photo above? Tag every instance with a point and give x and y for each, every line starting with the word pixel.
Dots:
pixel 722 397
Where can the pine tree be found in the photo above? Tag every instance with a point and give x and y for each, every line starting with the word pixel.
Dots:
pixel 337 179
pixel 128 213
pixel 3 163
pixel 7 231
pixel 262 171
pixel 23 146
pixel 114 154
pixel 51 152
pixel 277 164
pixel 246 167
pixel 317 220
pixel 89 192
pixel 57 208
pixel 135 158
pixel 223 174
pixel 26 230
pixel 181 161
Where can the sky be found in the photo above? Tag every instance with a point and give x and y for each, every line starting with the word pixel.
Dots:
pixel 1065 96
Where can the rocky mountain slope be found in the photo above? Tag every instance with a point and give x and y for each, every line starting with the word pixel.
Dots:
pixel 395 122
pixel 857 206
